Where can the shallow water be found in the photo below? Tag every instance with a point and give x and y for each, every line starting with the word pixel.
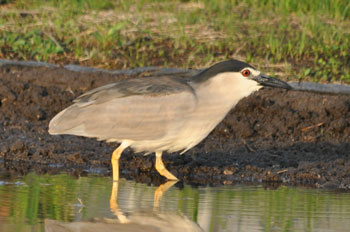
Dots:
pixel 49 203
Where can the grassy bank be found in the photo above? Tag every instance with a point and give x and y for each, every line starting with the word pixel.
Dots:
pixel 293 39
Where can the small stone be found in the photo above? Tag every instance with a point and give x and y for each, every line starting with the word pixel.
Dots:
pixel 228 172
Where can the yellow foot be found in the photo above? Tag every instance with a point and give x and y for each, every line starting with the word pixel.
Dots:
pixel 162 169
pixel 166 174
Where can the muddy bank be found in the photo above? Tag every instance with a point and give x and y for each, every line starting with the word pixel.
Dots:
pixel 280 136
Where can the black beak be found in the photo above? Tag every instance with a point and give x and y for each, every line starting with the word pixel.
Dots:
pixel 271 82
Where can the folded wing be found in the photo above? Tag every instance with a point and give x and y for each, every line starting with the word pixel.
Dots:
pixel 135 109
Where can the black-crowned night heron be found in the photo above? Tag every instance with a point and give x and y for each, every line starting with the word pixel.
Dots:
pixel 156 114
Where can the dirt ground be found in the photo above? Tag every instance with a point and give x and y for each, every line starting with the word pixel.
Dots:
pixel 272 136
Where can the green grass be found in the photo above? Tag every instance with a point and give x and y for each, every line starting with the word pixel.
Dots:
pixel 293 39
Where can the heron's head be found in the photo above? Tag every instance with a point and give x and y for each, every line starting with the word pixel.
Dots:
pixel 241 73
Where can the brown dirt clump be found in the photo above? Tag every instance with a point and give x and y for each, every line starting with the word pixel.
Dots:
pixel 273 135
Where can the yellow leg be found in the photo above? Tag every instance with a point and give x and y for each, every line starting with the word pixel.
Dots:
pixel 161 168
pixel 115 160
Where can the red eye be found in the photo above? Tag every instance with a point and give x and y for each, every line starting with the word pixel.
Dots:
pixel 245 72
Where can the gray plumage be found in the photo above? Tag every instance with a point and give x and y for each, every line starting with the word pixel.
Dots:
pixel 134 109
pixel 158 114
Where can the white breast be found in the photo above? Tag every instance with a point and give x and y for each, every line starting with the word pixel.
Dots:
pixel 215 99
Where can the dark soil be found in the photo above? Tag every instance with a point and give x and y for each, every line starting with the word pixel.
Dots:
pixel 276 136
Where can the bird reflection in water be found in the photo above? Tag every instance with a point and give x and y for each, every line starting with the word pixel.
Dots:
pixel 152 220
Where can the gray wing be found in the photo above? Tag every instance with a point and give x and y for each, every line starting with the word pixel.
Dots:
pixel 148 86
pixel 135 109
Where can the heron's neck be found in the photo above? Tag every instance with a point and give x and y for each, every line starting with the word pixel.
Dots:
pixel 215 97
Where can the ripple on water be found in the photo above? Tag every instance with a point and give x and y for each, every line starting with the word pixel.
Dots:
pixel 31 200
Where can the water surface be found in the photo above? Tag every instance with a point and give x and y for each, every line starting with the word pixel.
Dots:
pixel 36 203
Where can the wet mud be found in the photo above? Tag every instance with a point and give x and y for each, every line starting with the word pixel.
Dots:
pixel 272 136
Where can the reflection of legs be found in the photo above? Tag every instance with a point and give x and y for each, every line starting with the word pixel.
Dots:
pixel 113 204
pixel 160 191
pixel 161 168
pixel 115 160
